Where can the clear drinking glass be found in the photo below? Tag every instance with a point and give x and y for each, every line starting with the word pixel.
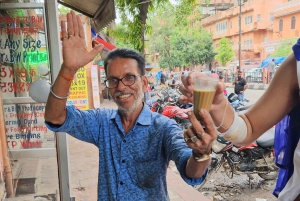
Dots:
pixel 204 93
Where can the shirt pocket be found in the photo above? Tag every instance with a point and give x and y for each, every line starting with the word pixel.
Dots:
pixel 147 173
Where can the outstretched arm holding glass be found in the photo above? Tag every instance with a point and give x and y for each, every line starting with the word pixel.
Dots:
pixel 242 129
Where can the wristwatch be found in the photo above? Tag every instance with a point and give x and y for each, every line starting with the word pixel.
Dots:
pixel 201 158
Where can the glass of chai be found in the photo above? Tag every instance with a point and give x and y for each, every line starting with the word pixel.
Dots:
pixel 204 93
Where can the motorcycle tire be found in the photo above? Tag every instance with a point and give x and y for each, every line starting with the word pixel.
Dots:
pixel 271 175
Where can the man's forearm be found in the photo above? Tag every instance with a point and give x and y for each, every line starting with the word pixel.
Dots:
pixel 196 169
pixel 55 111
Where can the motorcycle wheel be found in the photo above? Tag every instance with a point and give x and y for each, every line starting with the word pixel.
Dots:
pixel 271 175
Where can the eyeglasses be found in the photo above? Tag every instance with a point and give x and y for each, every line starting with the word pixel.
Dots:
pixel 128 80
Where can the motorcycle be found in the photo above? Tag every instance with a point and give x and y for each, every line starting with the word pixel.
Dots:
pixel 168 105
pixel 257 157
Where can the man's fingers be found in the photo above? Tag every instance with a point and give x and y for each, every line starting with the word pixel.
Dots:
pixel 64 33
pixel 196 124
pixel 81 30
pixel 70 24
pixel 208 123
pixel 75 24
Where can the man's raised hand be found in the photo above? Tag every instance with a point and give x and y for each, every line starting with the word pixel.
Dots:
pixel 75 54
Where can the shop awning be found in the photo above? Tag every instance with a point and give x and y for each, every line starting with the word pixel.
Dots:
pixel 102 12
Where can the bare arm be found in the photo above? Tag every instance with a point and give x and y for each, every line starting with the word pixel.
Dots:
pixel 277 101
pixel 75 56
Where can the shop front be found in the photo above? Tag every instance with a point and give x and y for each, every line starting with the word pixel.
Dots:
pixel 33 160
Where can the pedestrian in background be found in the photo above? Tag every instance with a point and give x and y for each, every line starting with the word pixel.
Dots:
pixel 240 86
pixel 158 77
pixel 271 66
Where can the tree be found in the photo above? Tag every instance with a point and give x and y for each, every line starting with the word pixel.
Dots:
pixel 225 51
pixel 285 48
pixel 134 14
pixel 177 41
pixel 120 33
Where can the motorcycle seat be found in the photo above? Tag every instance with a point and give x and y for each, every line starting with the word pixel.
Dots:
pixel 266 139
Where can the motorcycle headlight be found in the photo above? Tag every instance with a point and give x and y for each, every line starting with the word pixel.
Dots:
pixel 217 146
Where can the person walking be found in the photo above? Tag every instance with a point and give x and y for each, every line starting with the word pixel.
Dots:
pixel 271 66
pixel 135 145
pixel 240 85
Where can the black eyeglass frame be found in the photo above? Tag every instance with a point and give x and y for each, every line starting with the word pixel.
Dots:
pixel 121 79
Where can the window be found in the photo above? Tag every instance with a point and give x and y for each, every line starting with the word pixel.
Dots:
pixel 280 24
pixel 271 16
pixel 293 22
pixel 248 20
pixel 248 42
pixel 221 27
pixel 230 25
pixel 258 18
pixel 265 38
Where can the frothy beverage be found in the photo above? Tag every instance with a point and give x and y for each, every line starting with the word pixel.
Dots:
pixel 203 99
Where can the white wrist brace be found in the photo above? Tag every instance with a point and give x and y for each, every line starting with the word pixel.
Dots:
pixel 237 132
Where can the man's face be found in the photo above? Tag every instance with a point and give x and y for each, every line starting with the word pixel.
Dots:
pixel 128 98
pixel 239 75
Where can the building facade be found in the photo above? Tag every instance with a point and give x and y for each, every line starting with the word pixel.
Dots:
pixel 264 26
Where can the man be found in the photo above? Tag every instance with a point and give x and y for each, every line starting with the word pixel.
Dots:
pixel 214 74
pixel 271 66
pixel 163 78
pixel 173 83
pixel 240 86
pixel 135 144
pixel 158 76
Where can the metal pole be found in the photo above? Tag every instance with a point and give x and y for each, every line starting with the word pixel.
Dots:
pixel 56 60
pixel 240 32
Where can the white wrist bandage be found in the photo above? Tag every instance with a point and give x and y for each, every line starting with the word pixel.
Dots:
pixel 237 132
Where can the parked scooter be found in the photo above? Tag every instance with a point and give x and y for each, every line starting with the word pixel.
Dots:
pixel 237 104
pixel 257 157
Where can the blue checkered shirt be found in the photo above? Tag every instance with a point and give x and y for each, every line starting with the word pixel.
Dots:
pixel 132 166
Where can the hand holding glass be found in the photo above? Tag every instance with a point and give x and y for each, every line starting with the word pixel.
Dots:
pixel 204 93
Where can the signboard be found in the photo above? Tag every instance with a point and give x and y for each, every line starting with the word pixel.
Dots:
pixel 22 50
pixel 79 91
pixel 95 86
pixel 25 128
pixel 270 49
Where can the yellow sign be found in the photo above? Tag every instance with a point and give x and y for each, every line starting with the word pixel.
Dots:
pixel 79 91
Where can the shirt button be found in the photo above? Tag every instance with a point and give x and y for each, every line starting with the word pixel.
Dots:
pixel 123 161
pixel 124 140
pixel 121 183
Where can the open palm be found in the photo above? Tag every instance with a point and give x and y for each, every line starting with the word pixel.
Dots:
pixel 75 54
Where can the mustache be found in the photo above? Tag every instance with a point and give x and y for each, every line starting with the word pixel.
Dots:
pixel 120 93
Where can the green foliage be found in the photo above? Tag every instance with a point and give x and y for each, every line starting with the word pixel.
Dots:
pixel 284 49
pixel 64 10
pixel 178 44
pixel 120 33
pixel 225 51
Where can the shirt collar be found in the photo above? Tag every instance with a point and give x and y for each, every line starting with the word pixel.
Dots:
pixel 143 119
